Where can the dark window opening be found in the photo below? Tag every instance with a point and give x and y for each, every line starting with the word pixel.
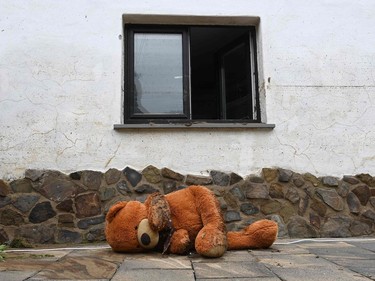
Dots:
pixel 190 73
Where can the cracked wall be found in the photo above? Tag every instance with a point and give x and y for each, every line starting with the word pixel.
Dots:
pixel 61 93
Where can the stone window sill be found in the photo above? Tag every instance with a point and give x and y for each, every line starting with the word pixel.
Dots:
pixel 195 125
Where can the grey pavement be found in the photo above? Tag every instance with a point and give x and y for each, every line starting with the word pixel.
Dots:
pixel 317 259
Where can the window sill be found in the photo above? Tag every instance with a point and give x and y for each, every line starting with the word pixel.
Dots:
pixel 195 125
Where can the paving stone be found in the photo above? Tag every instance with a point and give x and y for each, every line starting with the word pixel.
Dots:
pixel 241 269
pixel 154 274
pixel 155 261
pixel 10 217
pixel 16 275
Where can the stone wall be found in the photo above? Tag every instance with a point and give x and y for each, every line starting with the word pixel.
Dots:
pixel 50 207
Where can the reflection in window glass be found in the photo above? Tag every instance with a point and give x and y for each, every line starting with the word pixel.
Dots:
pixel 158 73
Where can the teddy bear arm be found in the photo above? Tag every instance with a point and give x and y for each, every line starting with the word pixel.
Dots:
pixel 180 242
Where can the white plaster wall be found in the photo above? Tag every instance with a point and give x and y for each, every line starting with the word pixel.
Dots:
pixel 60 89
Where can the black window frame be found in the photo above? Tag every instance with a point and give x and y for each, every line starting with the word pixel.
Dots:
pixel 130 117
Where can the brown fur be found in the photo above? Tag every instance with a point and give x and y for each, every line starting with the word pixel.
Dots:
pixel 195 216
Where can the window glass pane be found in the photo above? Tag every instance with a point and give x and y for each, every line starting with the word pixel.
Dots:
pixel 158 73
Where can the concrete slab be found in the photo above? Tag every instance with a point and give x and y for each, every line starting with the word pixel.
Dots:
pixel 220 270
pixel 227 257
pixel 15 275
pixel 154 274
pixel 166 262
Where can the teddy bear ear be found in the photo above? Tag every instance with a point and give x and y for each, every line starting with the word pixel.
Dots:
pixel 114 210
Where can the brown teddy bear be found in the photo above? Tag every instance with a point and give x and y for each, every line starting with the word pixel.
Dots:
pixel 181 221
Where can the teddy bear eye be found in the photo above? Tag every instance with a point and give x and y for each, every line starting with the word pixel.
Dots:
pixel 147 237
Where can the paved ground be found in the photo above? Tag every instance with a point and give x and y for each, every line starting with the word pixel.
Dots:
pixel 321 259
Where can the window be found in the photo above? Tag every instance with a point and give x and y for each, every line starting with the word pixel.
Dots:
pixel 189 74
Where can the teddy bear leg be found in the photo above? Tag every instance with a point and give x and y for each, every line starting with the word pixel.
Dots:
pixel 180 242
pixel 211 242
pixel 260 234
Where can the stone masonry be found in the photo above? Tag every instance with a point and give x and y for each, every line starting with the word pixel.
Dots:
pixel 51 207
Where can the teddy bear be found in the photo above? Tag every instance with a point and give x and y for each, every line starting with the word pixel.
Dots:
pixel 182 221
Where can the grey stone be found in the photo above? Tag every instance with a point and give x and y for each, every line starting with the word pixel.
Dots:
pixel 319 207
pixel 132 176
pixel 25 202
pixel 276 190
pixel 331 198
pixel 67 236
pixel 112 176
pixel 65 206
pixel 351 180
pixel 315 220
pixel 372 202
pixel 66 220
pixel 123 188
pixel 222 203
pixel 271 207
pixel 282 229
pixel 269 174
pixel 96 234
pixel 237 192
pixel 92 179
pixel 41 212
pixel 330 181
pixel 107 193
pixel 336 226
pixel 86 223
pixel 76 176
pixel 363 193
pixel 353 203
pixel 298 227
pixel 220 178
pixel 168 173
pixel 343 189
pixel 285 175
pixel 39 234
pixel 370 214
pixel 34 174
pixel 298 182
pixel 230 216
pixel 10 217
pixel 287 211
pixel 87 205
pixel 312 179
pixel 146 188
pixel 256 179
pixel 249 209
pixel 152 174
pixel 367 179
pixel 57 189
pixel 303 204
pixel 359 228
pixel 21 186
pixel 292 195
pixel 234 178
pixel 5 201
pixel 169 186
pixel 3 236
pixel 257 191
pixel 4 189
pixel 198 180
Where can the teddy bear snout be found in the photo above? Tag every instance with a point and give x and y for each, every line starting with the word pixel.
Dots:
pixel 147 237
